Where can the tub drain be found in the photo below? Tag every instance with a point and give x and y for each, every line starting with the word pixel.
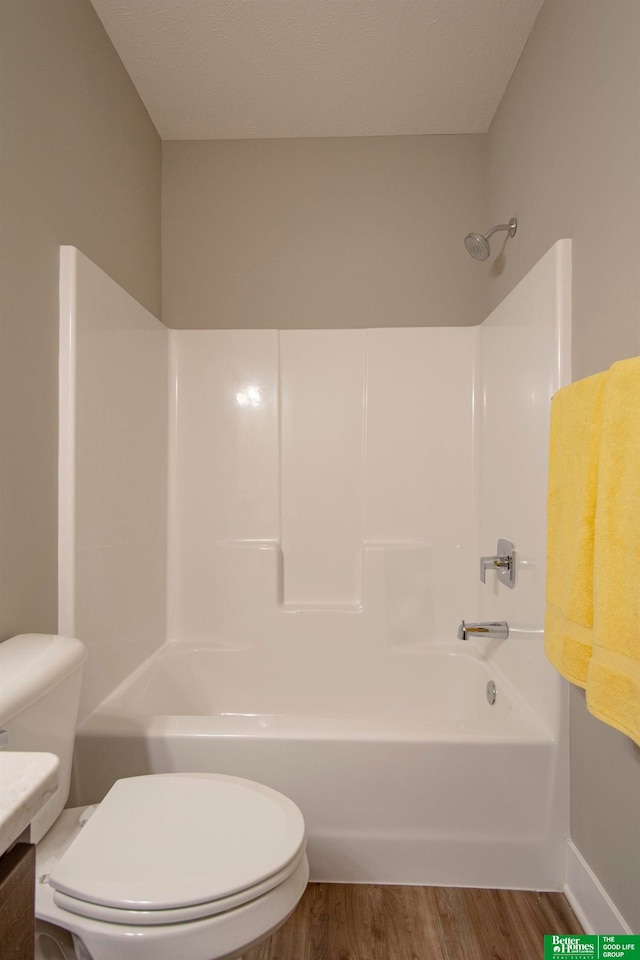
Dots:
pixel 491 692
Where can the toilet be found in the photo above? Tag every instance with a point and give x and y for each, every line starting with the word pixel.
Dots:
pixel 179 866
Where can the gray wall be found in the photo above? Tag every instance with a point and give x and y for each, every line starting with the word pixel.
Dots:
pixel 79 164
pixel 564 156
pixel 352 232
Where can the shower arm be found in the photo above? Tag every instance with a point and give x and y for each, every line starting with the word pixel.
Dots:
pixel 509 227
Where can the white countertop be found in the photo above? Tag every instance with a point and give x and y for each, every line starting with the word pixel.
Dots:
pixel 27 780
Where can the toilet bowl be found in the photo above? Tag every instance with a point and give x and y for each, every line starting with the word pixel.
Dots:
pixel 181 866
pixel 188 866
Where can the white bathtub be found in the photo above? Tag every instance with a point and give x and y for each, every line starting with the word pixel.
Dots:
pixel 403 770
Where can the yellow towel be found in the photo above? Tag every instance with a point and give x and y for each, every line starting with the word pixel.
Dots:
pixel 573 476
pixel 613 681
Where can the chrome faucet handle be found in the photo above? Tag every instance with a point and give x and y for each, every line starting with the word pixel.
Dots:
pixel 504 562
pixel 487 563
pixel 493 629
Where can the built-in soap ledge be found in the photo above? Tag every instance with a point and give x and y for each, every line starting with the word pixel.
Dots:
pixel 396 602
pixel 306 608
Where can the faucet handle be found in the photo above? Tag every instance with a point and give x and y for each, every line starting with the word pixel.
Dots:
pixel 504 562
pixel 489 563
pixel 493 629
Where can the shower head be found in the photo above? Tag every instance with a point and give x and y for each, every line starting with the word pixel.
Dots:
pixel 477 244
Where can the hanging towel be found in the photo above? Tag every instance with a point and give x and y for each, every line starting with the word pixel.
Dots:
pixel 613 681
pixel 576 414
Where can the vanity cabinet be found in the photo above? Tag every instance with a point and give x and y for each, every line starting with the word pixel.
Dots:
pixel 17 902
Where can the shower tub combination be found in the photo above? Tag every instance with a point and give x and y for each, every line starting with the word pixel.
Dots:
pixel 403 769
pixel 309 555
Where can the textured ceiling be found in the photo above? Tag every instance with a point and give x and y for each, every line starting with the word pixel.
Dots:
pixel 229 69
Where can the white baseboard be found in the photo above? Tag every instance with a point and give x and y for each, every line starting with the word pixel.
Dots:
pixel 591 903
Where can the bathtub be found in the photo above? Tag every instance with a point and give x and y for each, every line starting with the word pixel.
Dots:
pixel 404 771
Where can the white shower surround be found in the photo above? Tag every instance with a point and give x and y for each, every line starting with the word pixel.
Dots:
pixel 345 464
pixel 329 496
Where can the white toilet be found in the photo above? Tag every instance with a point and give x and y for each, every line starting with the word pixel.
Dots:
pixel 189 866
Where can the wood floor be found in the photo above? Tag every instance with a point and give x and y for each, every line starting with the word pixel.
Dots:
pixel 367 922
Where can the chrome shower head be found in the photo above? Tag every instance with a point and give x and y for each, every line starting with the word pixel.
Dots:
pixel 477 244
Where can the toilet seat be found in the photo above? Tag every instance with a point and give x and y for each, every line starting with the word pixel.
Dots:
pixel 221 937
pixel 197 911
pixel 168 848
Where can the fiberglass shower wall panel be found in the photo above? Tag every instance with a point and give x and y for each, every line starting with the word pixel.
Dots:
pixel 524 359
pixel 322 381
pixel 113 475
pixel 419 486
pixel 224 479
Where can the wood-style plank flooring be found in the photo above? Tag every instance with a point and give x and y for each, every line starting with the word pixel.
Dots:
pixel 366 922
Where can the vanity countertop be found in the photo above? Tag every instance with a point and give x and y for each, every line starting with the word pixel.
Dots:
pixel 27 780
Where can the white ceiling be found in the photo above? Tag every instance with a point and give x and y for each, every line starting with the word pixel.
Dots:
pixel 231 69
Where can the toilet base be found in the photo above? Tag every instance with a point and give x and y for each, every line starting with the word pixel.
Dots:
pixel 53 943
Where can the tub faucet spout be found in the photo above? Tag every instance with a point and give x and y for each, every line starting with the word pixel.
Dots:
pixel 494 629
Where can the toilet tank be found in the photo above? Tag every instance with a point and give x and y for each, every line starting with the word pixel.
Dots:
pixel 40 677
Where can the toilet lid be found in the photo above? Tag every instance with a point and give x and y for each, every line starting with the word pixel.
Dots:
pixel 168 841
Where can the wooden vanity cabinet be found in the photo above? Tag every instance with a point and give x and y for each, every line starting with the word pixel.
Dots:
pixel 17 902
